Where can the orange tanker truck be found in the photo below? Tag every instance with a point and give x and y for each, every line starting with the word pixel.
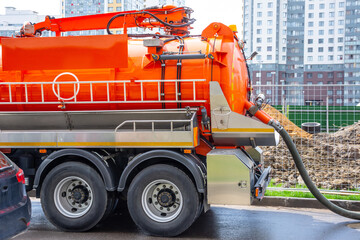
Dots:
pixel 162 120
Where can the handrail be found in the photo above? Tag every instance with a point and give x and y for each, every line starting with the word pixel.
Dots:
pixel 77 84
pixel 156 121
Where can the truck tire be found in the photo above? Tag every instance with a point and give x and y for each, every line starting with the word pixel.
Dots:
pixel 163 201
pixel 73 197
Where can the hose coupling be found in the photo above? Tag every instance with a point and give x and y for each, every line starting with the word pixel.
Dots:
pixel 276 125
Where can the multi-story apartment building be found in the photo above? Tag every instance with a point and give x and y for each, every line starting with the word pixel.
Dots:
pixel 151 3
pixel 303 42
pixel 72 8
pixel 352 52
pixel 13 20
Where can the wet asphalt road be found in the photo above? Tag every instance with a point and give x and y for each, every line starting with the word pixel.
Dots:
pixel 219 223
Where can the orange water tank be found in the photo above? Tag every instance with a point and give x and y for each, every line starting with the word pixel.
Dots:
pixel 115 72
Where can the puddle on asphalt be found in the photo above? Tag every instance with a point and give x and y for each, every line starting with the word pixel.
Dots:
pixel 354 225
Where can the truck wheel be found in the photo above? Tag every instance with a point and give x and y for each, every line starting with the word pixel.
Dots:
pixel 163 201
pixel 73 197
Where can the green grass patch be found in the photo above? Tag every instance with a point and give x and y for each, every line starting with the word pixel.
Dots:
pixel 299 194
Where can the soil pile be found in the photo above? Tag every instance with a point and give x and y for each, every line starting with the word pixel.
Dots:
pixel 332 160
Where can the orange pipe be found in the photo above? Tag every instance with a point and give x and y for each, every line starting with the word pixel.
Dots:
pixel 260 114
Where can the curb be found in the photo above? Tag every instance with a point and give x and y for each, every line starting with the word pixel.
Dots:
pixel 304 203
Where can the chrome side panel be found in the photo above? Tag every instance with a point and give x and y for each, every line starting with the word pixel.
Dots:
pixel 233 129
pixel 230 174
pixel 115 129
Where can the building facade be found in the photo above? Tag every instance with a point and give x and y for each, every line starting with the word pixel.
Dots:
pixel 304 42
pixel 12 21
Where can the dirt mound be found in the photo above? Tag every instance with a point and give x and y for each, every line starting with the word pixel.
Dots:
pixel 289 126
pixel 332 160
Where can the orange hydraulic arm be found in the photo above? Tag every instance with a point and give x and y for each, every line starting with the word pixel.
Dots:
pixel 175 20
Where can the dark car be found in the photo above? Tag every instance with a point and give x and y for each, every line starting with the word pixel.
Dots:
pixel 15 205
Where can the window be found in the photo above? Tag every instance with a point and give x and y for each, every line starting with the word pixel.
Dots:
pixel 340 30
pixel 330 57
pixel 270 4
pixel 269 48
pixel 309 75
pixel 310 41
pixel 338 100
pixel 258 40
pixel 309 83
pixel 331 31
pixel 341 13
pixel 332 5
pixel 331 23
pixel 311 6
pixel 322 6
pixel 269 13
pixel 321 15
pixel 269 39
pixel 259 14
pixel 321 32
pixel 330 92
pixel 340 39
pixel 258 22
pixel 320 75
pixel 320 83
pixel 118 9
pixel 310 49
pixel 268 74
pixel 340 48
pixel 330 75
pixel 321 40
pixel 341 22
pixel 110 1
pixel 339 75
pixel 341 4
pixel 269 22
pixel 258 31
pixel 258 74
pixel 268 91
pixel 110 9
pixel 331 40
pixel 320 49
pixel 320 58
pixel 258 49
pixel 321 24
pixel 310 58
pixel 340 57
pixel 331 14
pixel 310 24
pixel 310 32
pixel 330 49
pixel 269 31
pixel 311 15
pixel 268 57
pixel 259 5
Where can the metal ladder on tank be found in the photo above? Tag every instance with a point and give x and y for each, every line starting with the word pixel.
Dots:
pixel 77 88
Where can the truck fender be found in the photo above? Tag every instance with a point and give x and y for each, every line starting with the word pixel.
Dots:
pixel 105 170
pixel 190 162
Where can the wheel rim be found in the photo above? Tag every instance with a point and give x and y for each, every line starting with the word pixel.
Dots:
pixel 73 197
pixel 162 201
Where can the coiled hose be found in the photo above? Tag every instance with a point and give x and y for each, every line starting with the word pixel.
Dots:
pixel 305 176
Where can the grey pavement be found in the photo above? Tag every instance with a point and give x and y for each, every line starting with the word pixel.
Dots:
pixel 221 222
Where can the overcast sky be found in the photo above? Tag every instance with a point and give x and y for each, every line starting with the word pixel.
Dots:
pixel 206 11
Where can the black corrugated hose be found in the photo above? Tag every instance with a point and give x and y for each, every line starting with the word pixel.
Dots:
pixel 305 176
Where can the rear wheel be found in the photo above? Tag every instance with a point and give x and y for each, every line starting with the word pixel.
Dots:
pixel 73 197
pixel 163 201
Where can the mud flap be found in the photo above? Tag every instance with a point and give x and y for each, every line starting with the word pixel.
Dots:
pixel 262 183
